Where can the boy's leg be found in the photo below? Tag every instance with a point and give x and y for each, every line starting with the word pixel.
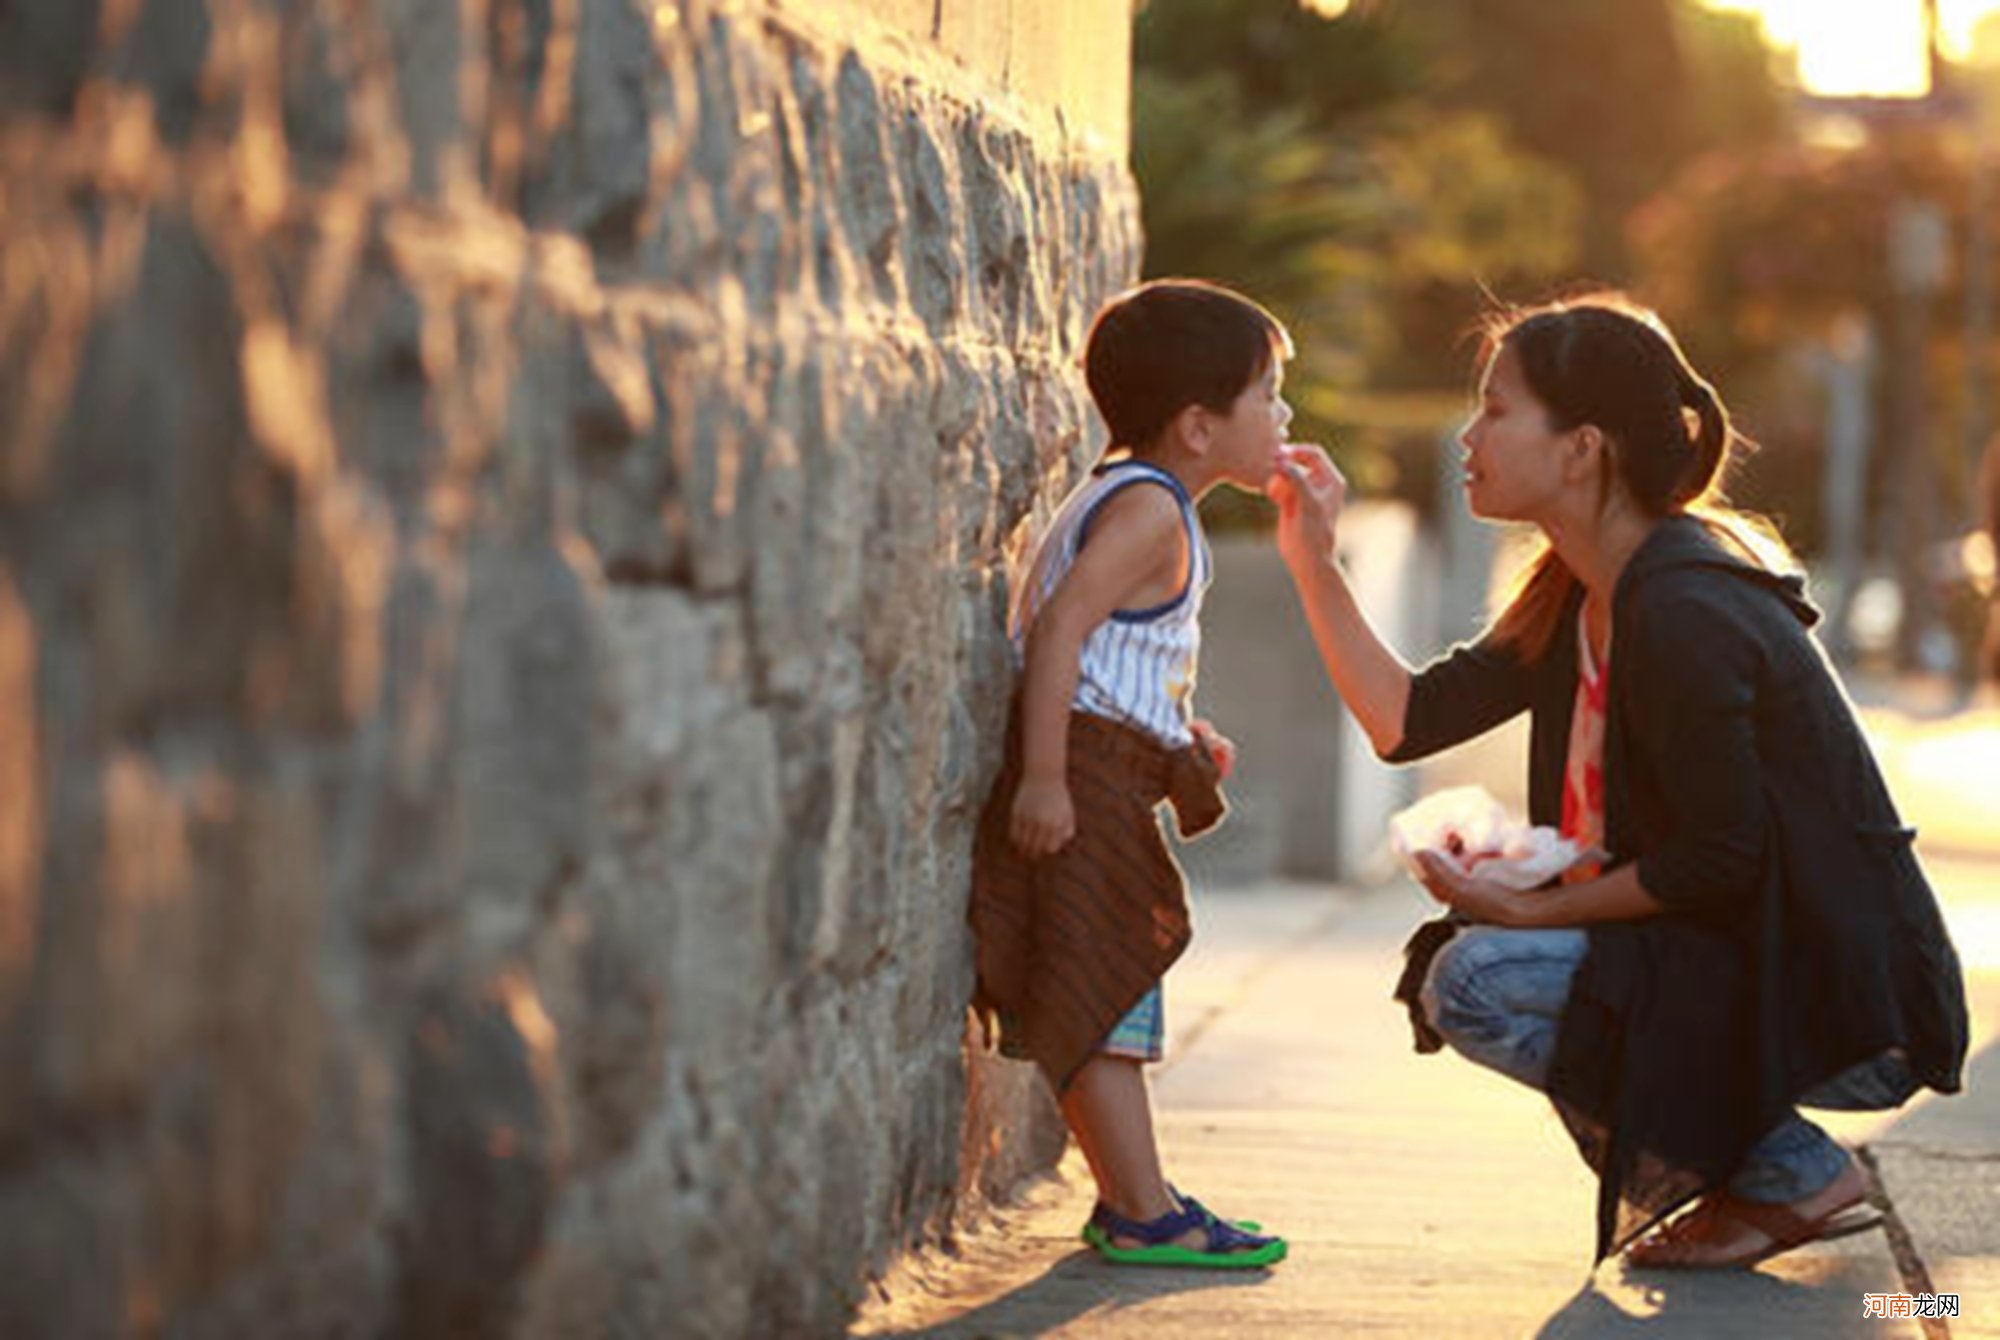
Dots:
pixel 1110 1111
pixel 1086 1140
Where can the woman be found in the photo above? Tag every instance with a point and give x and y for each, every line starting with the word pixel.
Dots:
pixel 1760 934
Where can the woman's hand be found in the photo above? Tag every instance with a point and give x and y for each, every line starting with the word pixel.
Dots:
pixel 1043 820
pixel 1219 746
pixel 1310 493
pixel 1480 899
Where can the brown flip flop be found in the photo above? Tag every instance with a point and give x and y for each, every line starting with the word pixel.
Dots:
pixel 1785 1228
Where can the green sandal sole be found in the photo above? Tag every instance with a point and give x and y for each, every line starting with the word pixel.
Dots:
pixel 1167 1254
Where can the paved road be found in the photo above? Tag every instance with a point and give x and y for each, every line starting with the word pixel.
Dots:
pixel 1427 1197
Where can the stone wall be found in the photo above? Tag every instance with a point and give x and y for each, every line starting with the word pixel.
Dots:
pixel 502 515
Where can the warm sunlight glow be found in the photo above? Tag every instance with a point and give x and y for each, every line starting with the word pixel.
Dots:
pixel 1944 769
pixel 1864 47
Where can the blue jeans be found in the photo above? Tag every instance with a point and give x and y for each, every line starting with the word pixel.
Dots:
pixel 1496 995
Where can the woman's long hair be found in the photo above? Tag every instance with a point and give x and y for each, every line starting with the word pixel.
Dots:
pixel 1604 360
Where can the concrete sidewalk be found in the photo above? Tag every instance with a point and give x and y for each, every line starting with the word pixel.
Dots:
pixel 1424 1196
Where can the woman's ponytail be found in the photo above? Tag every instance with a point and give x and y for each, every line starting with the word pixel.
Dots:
pixel 1710 439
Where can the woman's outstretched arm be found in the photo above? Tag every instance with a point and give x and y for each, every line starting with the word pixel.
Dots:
pixel 1369 676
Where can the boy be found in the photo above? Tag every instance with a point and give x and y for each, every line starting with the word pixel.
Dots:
pixel 1077 907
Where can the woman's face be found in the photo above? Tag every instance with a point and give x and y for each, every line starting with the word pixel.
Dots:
pixel 1513 460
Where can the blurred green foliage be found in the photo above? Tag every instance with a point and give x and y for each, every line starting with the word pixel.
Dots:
pixel 1385 178
pixel 1382 178
pixel 1756 258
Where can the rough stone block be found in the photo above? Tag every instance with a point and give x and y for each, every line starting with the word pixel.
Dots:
pixel 326 1266
pixel 723 841
pixel 868 185
pixel 997 228
pixel 22 834
pixel 806 594
pixel 620 1056
pixel 523 725
pixel 487 1150
pixel 45 51
pixel 812 921
pixel 430 47
pixel 379 394
pixel 69 1226
pixel 318 122
pixel 346 555
pixel 395 867
pixel 164 51
pixel 118 985
pixel 933 259
pixel 829 258
pixel 612 153
pixel 713 450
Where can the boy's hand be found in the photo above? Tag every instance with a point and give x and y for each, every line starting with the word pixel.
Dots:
pixel 1310 493
pixel 1219 746
pixel 1043 820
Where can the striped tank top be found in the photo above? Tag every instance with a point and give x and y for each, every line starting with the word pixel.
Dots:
pixel 1138 666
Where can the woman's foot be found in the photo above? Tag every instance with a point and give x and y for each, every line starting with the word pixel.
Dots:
pixel 1726 1232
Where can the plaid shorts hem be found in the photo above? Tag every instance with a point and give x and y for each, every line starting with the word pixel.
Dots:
pixel 1141 1034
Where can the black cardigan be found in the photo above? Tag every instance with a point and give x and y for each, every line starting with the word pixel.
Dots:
pixel 1800 936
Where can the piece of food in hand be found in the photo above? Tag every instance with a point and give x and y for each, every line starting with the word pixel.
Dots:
pixel 1467 857
pixel 1471 832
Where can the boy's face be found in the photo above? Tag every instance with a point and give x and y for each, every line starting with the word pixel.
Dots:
pixel 1245 444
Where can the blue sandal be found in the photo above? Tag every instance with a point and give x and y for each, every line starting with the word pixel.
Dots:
pixel 1247 1225
pixel 1228 1247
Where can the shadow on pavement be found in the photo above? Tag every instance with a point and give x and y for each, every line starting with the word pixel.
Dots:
pixel 1745 1303
pixel 1960 1123
pixel 1830 1301
pixel 1078 1286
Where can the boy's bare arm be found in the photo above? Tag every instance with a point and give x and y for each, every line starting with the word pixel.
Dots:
pixel 1137 545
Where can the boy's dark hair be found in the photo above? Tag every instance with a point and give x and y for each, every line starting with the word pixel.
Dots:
pixel 1170 343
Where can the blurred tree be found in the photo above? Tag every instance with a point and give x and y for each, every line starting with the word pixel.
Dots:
pixel 1738 88
pixel 1754 257
pixel 1285 56
pixel 1599 86
pixel 1305 161
pixel 1749 252
pixel 1381 177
